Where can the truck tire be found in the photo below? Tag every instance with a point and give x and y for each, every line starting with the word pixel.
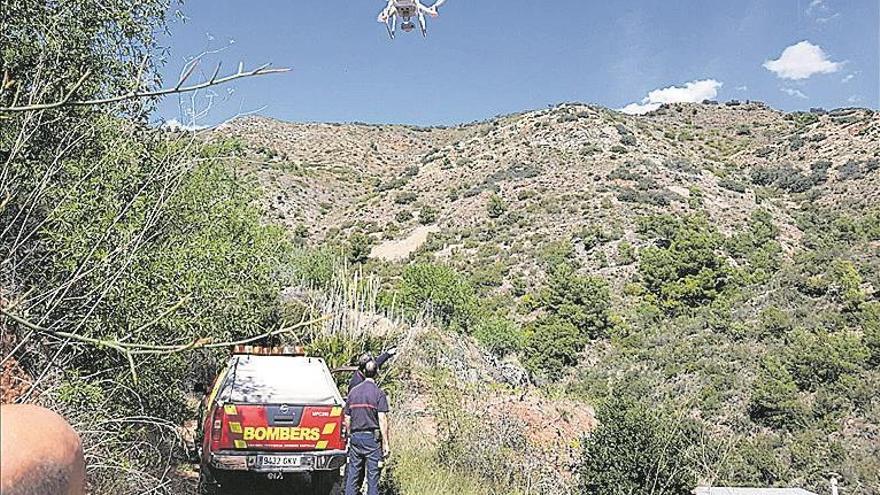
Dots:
pixel 207 483
pixel 327 483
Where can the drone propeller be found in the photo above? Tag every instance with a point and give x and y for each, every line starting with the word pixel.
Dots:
pixel 433 8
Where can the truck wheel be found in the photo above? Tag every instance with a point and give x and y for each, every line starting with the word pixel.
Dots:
pixel 207 483
pixel 327 483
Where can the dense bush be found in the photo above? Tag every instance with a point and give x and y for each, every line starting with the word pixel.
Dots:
pixel 499 335
pixel 732 185
pixel 819 357
pixel 405 198
pixel 775 400
pixel 637 448
pixel 496 206
pixel 583 301
pixel 403 216
pixel 427 214
pixel 439 290
pixel 358 247
pixel 684 269
pixel 553 345
pixel 785 177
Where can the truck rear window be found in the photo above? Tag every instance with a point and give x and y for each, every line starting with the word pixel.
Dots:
pixel 280 380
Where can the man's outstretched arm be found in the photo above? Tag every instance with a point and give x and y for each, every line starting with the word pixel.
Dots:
pixel 385 356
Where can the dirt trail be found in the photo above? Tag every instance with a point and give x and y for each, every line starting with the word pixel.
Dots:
pixel 401 249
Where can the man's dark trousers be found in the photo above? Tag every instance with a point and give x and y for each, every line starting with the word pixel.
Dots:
pixel 364 451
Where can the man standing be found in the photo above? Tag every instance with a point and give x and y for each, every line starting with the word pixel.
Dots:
pixel 366 419
pixel 365 358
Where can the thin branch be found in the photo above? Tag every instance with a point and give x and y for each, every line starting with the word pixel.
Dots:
pixel 129 350
pixel 67 101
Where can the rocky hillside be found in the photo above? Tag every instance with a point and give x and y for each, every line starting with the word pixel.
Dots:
pixel 706 274
pixel 522 181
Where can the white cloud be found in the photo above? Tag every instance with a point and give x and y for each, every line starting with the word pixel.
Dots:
pixel 742 88
pixel 177 126
pixel 817 6
pixel 802 60
pixel 849 77
pixel 820 10
pixel 692 92
pixel 823 20
pixel 794 92
pixel 854 99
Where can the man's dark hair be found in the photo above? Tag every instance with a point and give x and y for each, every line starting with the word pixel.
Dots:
pixel 364 359
pixel 371 369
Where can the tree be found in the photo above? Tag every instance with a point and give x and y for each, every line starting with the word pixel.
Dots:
pixel 500 336
pixel 553 345
pixel 583 301
pixel 638 448
pixel 114 232
pixel 775 396
pixel 441 291
pixel 684 269
pixel 359 247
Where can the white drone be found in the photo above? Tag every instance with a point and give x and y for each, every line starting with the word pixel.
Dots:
pixel 405 10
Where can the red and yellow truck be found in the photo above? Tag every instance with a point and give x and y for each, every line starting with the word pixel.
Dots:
pixel 276 414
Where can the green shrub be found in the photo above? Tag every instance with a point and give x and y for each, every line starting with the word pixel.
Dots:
pixel 626 253
pixel 496 206
pixel 405 198
pixel 583 301
pixel 732 185
pixel 500 336
pixel 552 345
pixel 595 235
pixel 775 401
pixel 870 320
pixel 638 449
pixel 819 357
pixel 439 290
pixel 316 267
pixel 403 216
pixel 427 215
pixel 359 247
pixel 684 269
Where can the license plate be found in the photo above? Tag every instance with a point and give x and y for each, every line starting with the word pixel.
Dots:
pixel 280 461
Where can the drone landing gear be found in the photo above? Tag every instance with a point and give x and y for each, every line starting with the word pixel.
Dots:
pixel 423 25
pixel 390 25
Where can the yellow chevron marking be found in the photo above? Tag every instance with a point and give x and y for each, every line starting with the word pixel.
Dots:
pixel 235 427
pixel 230 409
pixel 329 428
pixel 335 412
pixel 321 445
pixel 240 444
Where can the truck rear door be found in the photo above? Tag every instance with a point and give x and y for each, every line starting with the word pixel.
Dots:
pixel 282 427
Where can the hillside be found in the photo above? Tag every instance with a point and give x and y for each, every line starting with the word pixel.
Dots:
pixel 708 269
pixel 560 170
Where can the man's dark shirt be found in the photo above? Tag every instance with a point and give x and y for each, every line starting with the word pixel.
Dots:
pixel 364 404
pixel 357 378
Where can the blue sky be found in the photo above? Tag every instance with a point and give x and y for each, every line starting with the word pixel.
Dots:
pixel 489 57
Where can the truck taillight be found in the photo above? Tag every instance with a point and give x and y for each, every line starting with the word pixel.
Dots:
pixel 217 427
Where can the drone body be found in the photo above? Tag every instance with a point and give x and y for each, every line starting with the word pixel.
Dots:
pixel 405 11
